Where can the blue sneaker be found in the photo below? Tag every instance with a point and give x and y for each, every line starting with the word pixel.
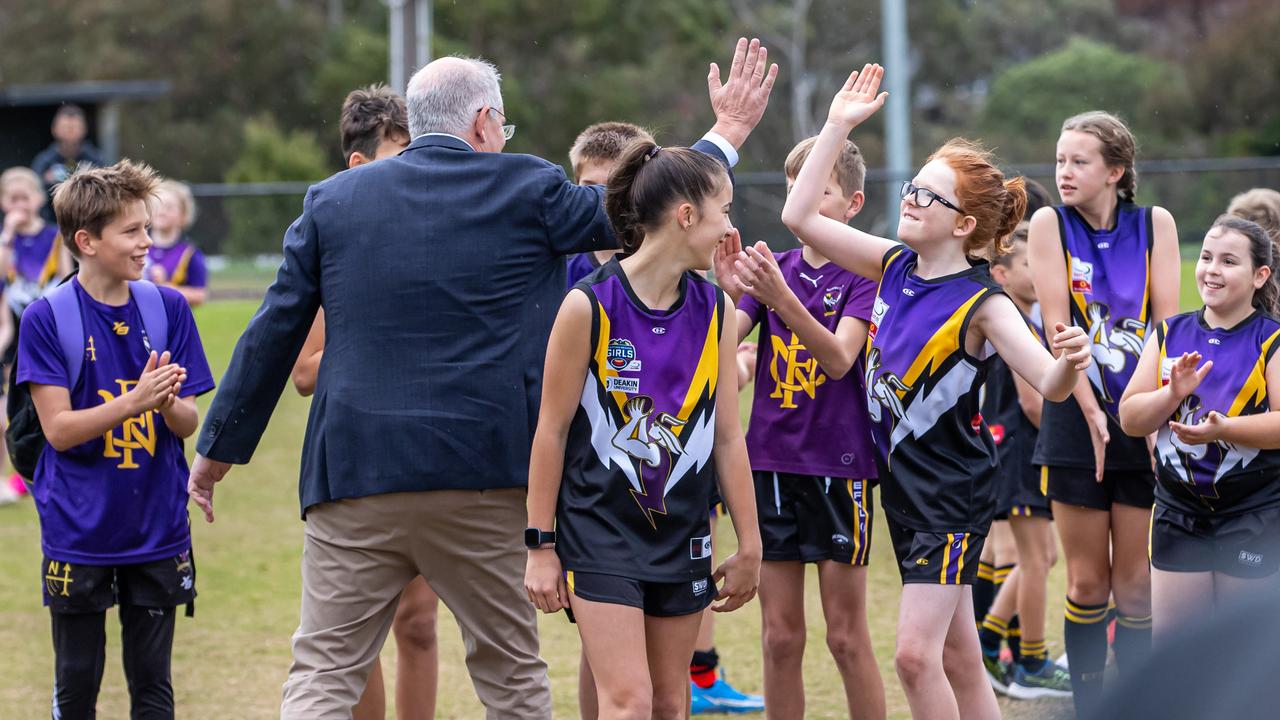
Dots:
pixel 1051 681
pixel 723 698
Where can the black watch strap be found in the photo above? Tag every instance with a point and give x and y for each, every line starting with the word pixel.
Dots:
pixel 535 538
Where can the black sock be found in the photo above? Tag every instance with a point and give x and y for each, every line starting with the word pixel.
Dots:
pixel 1014 638
pixel 990 634
pixel 1133 641
pixel 1085 635
pixel 984 591
pixel 1034 655
pixel 702 668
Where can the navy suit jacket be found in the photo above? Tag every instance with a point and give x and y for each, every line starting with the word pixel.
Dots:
pixel 440 272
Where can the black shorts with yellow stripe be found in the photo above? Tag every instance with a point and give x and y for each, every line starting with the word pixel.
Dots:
pixel 807 518
pixel 935 558
pixel 1020 494
pixel 659 599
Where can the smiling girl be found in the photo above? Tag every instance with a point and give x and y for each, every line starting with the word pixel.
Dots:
pixel 937 321
pixel 639 419
pixel 1207 383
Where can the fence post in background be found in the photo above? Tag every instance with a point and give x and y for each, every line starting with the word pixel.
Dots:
pixel 409 39
pixel 897 126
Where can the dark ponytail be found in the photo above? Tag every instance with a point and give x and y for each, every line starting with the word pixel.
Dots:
pixel 649 179
pixel 1263 253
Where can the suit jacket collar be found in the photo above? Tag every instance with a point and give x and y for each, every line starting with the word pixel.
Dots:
pixel 439 140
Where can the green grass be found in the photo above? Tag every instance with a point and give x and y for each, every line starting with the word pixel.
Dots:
pixel 231 659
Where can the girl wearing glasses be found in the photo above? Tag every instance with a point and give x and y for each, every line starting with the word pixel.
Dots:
pixel 1111 266
pixel 938 319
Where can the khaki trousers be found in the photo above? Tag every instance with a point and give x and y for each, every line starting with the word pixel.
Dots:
pixel 357 558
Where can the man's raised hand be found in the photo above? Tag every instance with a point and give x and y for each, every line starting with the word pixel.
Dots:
pixel 739 103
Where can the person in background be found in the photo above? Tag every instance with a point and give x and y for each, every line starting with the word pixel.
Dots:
pixel 173 260
pixel 68 151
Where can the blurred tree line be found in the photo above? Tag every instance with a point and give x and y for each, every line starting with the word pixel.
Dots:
pixel 257 84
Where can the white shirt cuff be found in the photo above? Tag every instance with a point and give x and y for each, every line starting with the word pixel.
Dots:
pixel 725 146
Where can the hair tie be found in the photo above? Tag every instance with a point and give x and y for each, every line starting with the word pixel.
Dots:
pixel 652 153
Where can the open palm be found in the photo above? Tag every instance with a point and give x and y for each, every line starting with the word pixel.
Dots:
pixel 860 97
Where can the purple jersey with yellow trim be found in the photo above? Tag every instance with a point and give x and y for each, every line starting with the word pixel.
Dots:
pixel 1110 275
pixel 802 421
pixel 1220 477
pixel 937 459
pixel 638 470
pixel 120 498
pixel 579 266
pixel 35 265
pixel 179 265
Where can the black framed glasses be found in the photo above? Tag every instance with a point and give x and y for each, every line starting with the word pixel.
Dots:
pixel 924 197
pixel 508 130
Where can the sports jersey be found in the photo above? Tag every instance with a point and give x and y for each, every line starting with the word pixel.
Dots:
pixel 638 469
pixel 802 421
pixel 35 262
pixel 1110 297
pixel 1219 477
pixel 936 457
pixel 179 265
pixel 579 266
pixel 1014 435
pixel 120 498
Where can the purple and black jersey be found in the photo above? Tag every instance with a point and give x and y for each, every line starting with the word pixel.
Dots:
pixel 179 265
pixel 1014 435
pixel 638 469
pixel 803 422
pixel 120 498
pixel 1110 297
pixel 937 459
pixel 35 263
pixel 579 266
pixel 1221 478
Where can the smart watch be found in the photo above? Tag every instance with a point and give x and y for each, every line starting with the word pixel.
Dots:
pixel 536 538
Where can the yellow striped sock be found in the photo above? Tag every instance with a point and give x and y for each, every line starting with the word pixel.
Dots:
pixel 1085 614
pixel 1135 623
pixel 1001 574
pixel 995 625
pixel 985 570
pixel 1034 649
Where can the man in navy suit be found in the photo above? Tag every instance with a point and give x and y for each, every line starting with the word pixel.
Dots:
pixel 440 272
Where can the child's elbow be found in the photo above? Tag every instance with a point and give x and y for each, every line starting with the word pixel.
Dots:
pixel 58 441
pixel 304 383
pixel 792 218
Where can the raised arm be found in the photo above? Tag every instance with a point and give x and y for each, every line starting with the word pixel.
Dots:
pixel 1147 404
pixel 567 356
pixel 848 247
pixel 740 102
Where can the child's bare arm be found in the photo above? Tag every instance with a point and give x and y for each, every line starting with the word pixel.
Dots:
pixel 65 428
pixel 307 368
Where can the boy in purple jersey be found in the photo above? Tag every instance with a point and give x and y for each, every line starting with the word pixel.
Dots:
pixel 1209 384
pixel 174 260
pixel 594 155
pixel 110 486
pixel 809 441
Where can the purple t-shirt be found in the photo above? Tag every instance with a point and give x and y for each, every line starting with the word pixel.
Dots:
pixel 179 265
pixel 802 421
pixel 120 498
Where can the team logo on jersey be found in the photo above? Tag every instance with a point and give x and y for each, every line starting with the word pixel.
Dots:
pixel 1166 369
pixel 877 316
pixel 1081 276
pixel 883 389
pixel 136 434
pixel 794 375
pixel 659 330
pixel 812 281
pixel 91 351
pixel 57 578
pixel 831 298
pixel 186 571
pixel 120 328
pixel 620 353
pixel 631 386
pixel 1113 343
pixel 653 444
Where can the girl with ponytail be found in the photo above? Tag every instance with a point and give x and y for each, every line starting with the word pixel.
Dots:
pixel 1209 385
pixel 937 317
pixel 1104 263
pixel 639 420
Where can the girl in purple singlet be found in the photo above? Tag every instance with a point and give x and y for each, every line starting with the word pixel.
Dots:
pixel 937 321
pixel 1208 385
pixel 639 419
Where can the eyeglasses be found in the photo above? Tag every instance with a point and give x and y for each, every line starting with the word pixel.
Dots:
pixel 924 197
pixel 508 130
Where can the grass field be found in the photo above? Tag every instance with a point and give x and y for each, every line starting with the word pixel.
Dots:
pixel 230 660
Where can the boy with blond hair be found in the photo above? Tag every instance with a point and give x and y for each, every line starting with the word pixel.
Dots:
pixel 113 365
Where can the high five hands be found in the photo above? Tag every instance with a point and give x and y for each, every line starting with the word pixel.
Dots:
pixel 740 102
pixel 860 97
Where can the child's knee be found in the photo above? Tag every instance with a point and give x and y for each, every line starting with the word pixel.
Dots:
pixel 416 632
pixel 783 640
pixel 913 660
